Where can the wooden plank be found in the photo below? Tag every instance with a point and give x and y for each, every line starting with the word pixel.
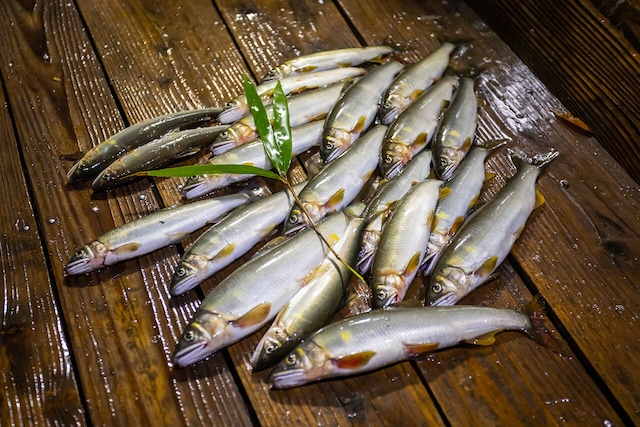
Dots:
pixel 497 380
pixel 122 324
pixel 624 15
pixel 557 41
pixel 36 371
pixel 269 34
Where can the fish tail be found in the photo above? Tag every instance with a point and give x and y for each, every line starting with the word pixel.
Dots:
pixel 540 327
pixel 518 157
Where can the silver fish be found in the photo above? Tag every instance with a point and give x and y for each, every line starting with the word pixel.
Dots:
pixel 487 236
pixel 313 305
pixel 238 107
pixel 338 183
pixel 230 238
pixel 154 154
pixel 327 60
pixel 381 337
pixel 303 108
pixel 413 81
pixel 456 130
pixel 154 231
pixel 403 243
pixel 252 153
pixel 382 202
pixel 413 129
pixel 459 195
pixel 255 292
pixel 356 110
pixel 100 156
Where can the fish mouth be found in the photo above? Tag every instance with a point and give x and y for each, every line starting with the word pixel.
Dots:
pixel 79 264
pixel 190 355
pixel 180 285
pixel 391 170
pixel 445 300
pixel 389 115
pixel 196 189
pixel 289 378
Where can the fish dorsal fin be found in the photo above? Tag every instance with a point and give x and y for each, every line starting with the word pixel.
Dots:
pixel 488 267
pixel 336 198
pixel 254 317
pixel 127 248
pixel 418 349
pixel 353 361
pixel 486 339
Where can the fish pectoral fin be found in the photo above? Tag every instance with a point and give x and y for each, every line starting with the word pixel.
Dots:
pixel 444 192
pixel 413 265
pixel 127 248
pixel 539 200
pixel 466 145
pixel 254 317
pixel 488 175
pixel 420 140
pixel 307 69
pixel 336 198
pixel 456 225
pixel 353 361
pixel 415 94
pixel 413 350
pixel 315 274
pixel 225 252
pixel 360 124
pixel 486 339
pixel 488 267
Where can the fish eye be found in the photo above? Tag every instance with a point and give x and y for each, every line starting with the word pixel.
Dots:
pixel 290 360
pixel 328 145
pixel 293 219
pixel 270 349
pixel 388 159
pixel 436 288
pixel 224 134
pixel 181 271
pixel 387 104
pixel 189 336
pixel 381 295
pixel 229 104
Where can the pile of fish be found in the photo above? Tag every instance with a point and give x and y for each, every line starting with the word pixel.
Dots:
pixel 395 198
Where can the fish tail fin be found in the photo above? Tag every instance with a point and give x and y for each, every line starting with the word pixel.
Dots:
pixel 540 327
pixel 518 157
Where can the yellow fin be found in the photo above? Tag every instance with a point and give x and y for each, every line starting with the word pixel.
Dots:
pixel 416 94
pixel 539 200
pixel 488 175
pixel 127 249
pixel 456 225
pixel 486 339
pixel 488 267
pixel 333 239
pixel 307 69
pixel 422 348
pixel 413 264
pixel 420 140
pixel 337 197
pixel 359 127
pixel 444 192
pixel 353 361
pixel 225 252
pixel 255 316
pixel 466 145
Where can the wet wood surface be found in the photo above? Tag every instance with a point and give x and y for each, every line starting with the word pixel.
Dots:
pixel 95 349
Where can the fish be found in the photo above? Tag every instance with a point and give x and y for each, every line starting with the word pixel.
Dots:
pixel 103 154
pixel 356 110
pixel 255 292
pixel 231 238
pixel 303 108
pixel 252 153
pixel 327 60
pixel 313 305
pixel 456 130
pixel 413 129
pixel 461 194
pixel 338 183
pixel 413 81
pixel 382 202
pixel 154 154
pixel 487 236
pixel 403 243
pixel 382 337
pixel 156 230
pixel 238 107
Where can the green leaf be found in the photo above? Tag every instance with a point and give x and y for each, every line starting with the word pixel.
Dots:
pixel 193 170
pixel 258 112
pixel 280 153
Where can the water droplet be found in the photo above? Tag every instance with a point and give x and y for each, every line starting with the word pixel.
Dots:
pixel 51 220
pixel 95 209
pixel 26 228
pixel 564 183
pixel 142 197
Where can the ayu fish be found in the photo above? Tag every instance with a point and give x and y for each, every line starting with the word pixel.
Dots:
pixel 238 107
pixel 103 154
pixel 327 60
pixel 256 291
pixel 413 81
pixel 403 243
pixel 356 110
pixel 487 236
pixel 456 130
pixel 413 129
pixel 339 182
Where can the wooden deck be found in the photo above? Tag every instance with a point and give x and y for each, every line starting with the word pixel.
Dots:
pixel 95 349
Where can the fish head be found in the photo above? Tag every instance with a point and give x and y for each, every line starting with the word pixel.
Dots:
pixel 391 107
pixel 272 348
pixel 389 289
pixel 88 258
pixel 227 139
pixel 188 274
pixel 308 362
pixel 447 286
pixel 447 161
pixel 277 73
pixel 202 337
pixel 335 142
pixel 232 111
pixel 393 158
pixel 296 221
pixel 196 186
pixel 367 251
